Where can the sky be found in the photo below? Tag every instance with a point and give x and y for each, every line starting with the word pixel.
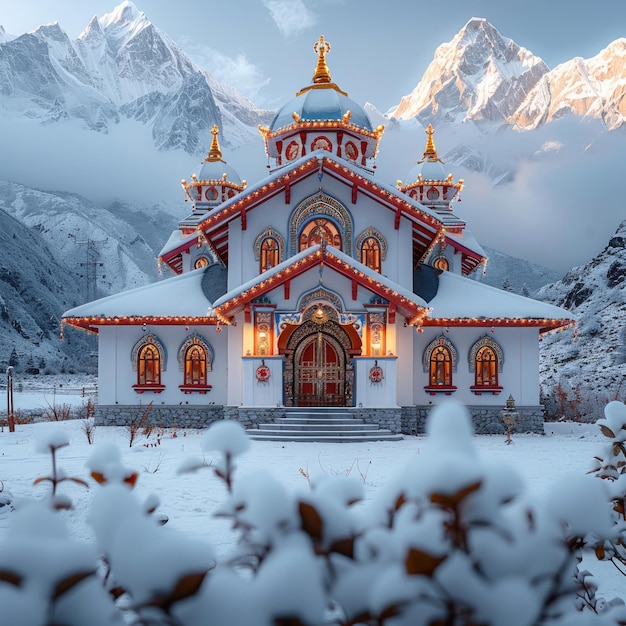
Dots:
pixel 379 53
pixel 265 47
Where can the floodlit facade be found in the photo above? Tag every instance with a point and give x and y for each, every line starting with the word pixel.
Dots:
pixel 319 286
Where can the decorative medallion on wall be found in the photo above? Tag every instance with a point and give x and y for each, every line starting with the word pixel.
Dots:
pixel 263 373
pixel 376 374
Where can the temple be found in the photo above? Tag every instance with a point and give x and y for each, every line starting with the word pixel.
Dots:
pixel 319 286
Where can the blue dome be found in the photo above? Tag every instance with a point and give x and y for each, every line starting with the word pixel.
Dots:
pixel 430 170
pixel 321 104
pixel 215 170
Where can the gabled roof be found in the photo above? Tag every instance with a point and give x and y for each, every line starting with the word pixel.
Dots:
pixel 406 302
pixel 461 301
pixel 183 299
pixel 429 226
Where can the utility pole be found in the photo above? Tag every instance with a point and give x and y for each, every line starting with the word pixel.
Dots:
pixel 91 264
pixel 10 415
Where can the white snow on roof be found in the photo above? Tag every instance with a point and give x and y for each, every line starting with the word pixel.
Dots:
pixel 176 240
pixel 383 280
pixel 180 296
pixel 460 297
pixel 468 241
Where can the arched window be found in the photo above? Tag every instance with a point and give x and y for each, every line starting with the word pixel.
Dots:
pixel 440 358
pixel 442 263
pixel 370 253
pixel 440 370
pixel 486 367
pixel 485 360
pixel 270 254
pixel 195 365
pixel 320 230
pixel 269 249
pixel 149 366
pixel 148 359
pixel 195 359
pixel 372 247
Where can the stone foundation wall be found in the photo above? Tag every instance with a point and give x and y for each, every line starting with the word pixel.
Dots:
pixel 487 420
pixel 389 418
pixel 166 416
pixel 250 416
pixel 409 420
pixel 185 416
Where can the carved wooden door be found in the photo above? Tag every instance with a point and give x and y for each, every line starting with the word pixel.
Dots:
pixel 320 371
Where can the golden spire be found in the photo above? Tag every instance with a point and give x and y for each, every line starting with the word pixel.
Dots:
pixel 215 154
pixel 321 75
pixel 430 154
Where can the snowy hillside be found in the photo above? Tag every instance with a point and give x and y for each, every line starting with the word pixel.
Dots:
pixel 35 289
pixel 517 275
pixel 58 250
pixel 591 366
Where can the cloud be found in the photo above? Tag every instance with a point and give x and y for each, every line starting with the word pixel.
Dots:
pixel 238 72
pixel 290 16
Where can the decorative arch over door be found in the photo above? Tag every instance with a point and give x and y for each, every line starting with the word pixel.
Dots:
pixel 318 369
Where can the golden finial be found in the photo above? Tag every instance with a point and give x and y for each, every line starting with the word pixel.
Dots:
pixel 430 154
pixel 215 154
pixel 321 75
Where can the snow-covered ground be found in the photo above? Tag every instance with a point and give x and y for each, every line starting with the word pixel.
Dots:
pixel 190 500
pixel 43 392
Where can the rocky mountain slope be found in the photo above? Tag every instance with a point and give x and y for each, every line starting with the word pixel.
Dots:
pixel 479 76
pixel 34 290
pixel 121 66
pixel 587 88
pixel 58 250
pixel 581 371
pixel 487 79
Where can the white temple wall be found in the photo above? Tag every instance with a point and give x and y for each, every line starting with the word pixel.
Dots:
pixel 365 213
pixel 372 393
pixel 260 392
pixel 520 371
pixel 238 256
pixel 404 348
pixel 234 363
pixel 116 375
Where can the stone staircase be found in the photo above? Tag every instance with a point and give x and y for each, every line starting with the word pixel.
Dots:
pixel 323 424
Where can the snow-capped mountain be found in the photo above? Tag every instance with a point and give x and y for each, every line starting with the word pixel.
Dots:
pixel 483 77
pixel 580 374
pixel 123 72
pixel 479 76
pixel 121 66
pixel 594 88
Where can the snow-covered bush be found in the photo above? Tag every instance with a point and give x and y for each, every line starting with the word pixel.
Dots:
pixel 451 540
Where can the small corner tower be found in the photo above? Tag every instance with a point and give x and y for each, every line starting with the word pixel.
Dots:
pixel 429 184
pixel 214 182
